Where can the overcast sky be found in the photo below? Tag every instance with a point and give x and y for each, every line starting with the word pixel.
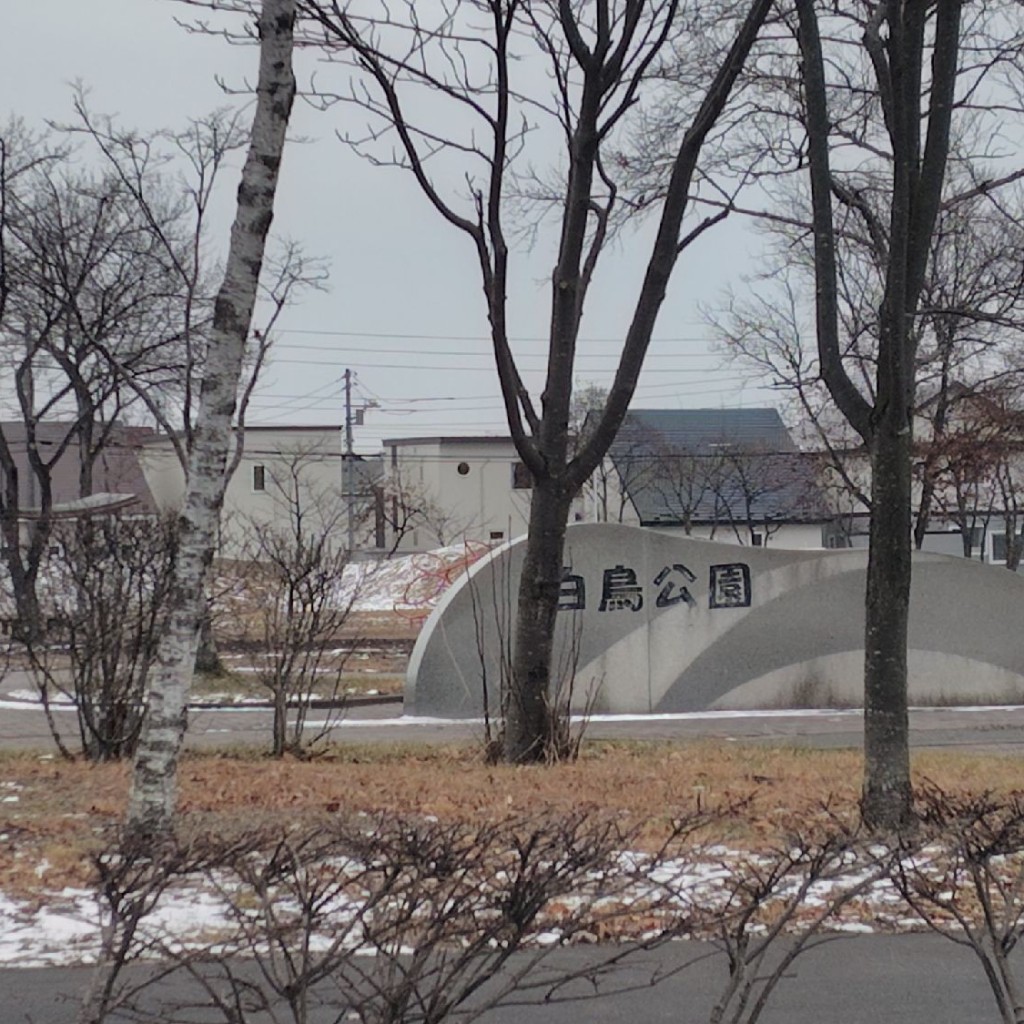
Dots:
pixel 404 309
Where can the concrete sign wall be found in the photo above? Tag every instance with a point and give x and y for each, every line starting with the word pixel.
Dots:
pixel 653 621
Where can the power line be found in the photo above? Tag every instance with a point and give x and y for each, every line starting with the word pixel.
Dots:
pixel 398 335
pixel 373 433
pixel 375 349
pixel 470 369
pixel 416 405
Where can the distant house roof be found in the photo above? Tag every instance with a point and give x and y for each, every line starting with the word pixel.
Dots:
pixel 395 442
pixel 163 439
pixel 116 470
pixel 79 508
pixel 707 466
pixel 703 431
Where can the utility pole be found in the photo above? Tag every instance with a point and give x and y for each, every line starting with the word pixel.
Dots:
pixel 347 458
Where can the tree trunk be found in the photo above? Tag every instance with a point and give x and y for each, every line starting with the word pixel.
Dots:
pixel 924 507
pixel 887 792
pixel 529 697
pixel 1014 542
pixel 207 654
pixel 154 781
pixel 279 741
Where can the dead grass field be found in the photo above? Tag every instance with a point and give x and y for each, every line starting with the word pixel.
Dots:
pixel 52 813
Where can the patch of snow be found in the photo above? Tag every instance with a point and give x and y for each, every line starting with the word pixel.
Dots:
pixel 65 927
pixel 64 931
pixel 856 927
pixel 410 583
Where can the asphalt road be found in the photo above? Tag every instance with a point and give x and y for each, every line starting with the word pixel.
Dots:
pixel 23 726
pixel 909 979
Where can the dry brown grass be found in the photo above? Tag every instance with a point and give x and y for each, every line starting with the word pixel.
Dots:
pixel 62 808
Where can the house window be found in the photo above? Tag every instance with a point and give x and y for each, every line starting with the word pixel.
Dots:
pixel 497 534
pixel 462 468
pixel 522 479
pixel 259 477
pixel 999 547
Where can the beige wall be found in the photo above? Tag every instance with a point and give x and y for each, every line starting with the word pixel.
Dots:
pixel 306 461
pixel 479 503
pixel 164 475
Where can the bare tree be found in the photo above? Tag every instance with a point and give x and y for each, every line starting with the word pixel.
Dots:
pixel 979 472
pixel 170 177
pixel 689 484
pixel 765 333
pixel 106 304
pixel 601 60
pixel 886 97
pixel 80 278
pixel 626 471
pixel 969 323
pixel 407 505
pixel 153 791
pixel 292 564
pixel 909 115
pixel 756 492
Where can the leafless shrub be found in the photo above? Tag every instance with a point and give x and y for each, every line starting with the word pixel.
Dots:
pixel 133 879
pixel 376 919
pixel 297 560
pixel 764 909
pixel 106 596
pixel 964 879
pixel 406 921
pixel 391 920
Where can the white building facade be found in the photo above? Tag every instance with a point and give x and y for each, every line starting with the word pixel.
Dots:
pixel 284 471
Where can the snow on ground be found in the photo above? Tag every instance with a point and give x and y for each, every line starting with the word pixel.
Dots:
pixel 64 927
pixel 408 584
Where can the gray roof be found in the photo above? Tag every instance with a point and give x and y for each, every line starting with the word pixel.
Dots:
pixel 701 431
pixel 724 466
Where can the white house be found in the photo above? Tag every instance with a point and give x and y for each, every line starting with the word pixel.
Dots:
pixel 284 470
pixel 733 475
pixel 443 489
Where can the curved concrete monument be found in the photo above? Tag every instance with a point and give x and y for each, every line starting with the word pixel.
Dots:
pixel 663 623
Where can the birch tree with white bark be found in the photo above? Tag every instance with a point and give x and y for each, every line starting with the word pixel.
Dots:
pixel 154 780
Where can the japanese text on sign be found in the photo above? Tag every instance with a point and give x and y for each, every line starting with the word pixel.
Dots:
pixel 621 591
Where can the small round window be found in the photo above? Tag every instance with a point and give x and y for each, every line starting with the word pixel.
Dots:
pixel 463 468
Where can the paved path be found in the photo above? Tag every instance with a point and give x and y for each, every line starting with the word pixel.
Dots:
pixel 908 979
pixel 22 726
